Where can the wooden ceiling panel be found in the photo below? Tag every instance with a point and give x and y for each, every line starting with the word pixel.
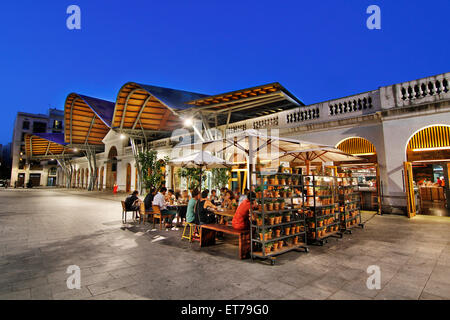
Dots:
pixel 152 117
pixel 79 122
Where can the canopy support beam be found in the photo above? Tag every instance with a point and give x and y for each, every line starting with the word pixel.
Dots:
pixel 71 117
pixel 126 105
pixel 90 128
pixel 138 118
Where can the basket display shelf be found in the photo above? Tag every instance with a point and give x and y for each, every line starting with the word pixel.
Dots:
pixel 321 208
pixel 349 204
pixel 278 224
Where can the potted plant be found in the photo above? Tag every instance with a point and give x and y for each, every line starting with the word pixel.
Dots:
pixel 282 203
pixel 279 218
pixel 288 193
pixel 320 223
pixel 296 240
pixel 287 216
pixel 270 206
pixel 260 206
pixel 276 205
pixel 269 234
pixel 276 181
pixel 287 230
pixel 277 232
pixel 258 191
pixel 259 221
pixel 275 246
pixel 268 248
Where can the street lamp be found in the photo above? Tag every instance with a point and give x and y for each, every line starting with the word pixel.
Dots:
pixel 188 122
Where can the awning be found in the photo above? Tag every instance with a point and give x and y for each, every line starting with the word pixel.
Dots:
pixel 200 159
pixel 246 103
pixel 152 109
pixel 46 146
pixel 87 119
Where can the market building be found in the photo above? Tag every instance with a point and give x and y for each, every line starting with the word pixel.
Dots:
pixel 402 131
pixel 23 169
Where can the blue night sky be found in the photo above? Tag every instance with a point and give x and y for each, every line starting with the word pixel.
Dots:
pixel 318 50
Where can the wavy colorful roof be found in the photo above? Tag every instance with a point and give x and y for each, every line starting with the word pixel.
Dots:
pixel 87 119
pixel 150 108
pixel 45 145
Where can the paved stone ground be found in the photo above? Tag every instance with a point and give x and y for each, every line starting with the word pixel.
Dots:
pixel 44 231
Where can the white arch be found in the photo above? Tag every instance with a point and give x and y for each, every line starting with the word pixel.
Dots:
pixel 412 135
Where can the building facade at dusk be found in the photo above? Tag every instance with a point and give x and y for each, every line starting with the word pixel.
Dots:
pixel 23 170
pixel 394 127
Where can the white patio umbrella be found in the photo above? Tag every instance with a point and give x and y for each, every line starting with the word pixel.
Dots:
pixel 322 154
pixel 251 144
pixel 202 160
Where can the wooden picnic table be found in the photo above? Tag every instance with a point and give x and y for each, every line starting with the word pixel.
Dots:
pixel 223 214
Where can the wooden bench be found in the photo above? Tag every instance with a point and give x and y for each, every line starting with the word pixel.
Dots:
pixel 208 237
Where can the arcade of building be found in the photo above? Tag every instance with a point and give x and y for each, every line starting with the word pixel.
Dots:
pixel 402 130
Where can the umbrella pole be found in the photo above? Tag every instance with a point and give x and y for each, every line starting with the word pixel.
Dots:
pixel 201 171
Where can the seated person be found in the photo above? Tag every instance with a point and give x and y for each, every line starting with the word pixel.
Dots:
pixel 190 212
pixel 159 201
pixel 182 201
pixel 229 200
pixel 184 197
pixel 149 199
pixel 243 196
pixel 223 191
pixel 213 197
pixel 203 214
pixel 177 194
pixel 132 202
pixel 169 197
pixel 241 217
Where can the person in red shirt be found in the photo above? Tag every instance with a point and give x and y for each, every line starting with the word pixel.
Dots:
pixel 241 217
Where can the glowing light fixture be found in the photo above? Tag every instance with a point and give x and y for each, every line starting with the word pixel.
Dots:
pixel 431 149
pixel 188 122
pixel 123 137
pixel 364 154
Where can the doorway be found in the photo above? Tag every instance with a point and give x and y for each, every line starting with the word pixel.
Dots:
pixel 428 151
pixel 367 172
pixel 111 168
pixel 21 180
pixel 128 187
